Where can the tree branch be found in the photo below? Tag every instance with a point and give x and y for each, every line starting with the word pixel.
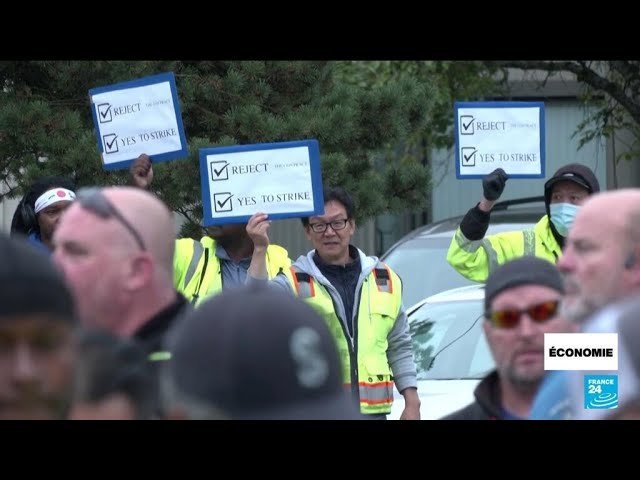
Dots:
pixel 585 74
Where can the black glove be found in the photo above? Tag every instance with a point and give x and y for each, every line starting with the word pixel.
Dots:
pixel 493 184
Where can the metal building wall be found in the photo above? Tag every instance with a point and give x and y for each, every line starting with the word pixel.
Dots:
pixel 454 197
pixel 7 208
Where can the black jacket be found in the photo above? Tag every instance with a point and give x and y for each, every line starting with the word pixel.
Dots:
pixel 152 335
pixel 487 405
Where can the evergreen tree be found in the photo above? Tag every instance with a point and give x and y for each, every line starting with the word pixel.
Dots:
pixel 46 125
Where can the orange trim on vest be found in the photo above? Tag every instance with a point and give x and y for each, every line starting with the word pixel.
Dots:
pixel 312 289
pixel 376 402
pixel 390 282
pixel 375 384
pixel 295 280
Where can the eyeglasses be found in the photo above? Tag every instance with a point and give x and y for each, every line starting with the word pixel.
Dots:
pixel 94 200
pixel 335 225
pixel 509 318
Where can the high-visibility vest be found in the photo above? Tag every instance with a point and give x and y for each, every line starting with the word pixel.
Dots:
pixel 477 259
pixel 365 368
pixel 197 272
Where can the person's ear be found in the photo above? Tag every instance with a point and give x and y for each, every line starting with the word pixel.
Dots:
pixel 632 265
pixel 141 271
pixel 631 260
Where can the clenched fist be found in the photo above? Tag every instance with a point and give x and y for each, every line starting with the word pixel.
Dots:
pixel 493 184
pixel 142 171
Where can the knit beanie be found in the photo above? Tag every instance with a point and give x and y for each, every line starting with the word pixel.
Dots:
pixel 527 270
pixel 30 283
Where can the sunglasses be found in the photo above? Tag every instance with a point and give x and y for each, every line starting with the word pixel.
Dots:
pixel 509 318
pixel 95 201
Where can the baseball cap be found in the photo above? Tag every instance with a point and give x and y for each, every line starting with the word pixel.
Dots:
pixel 572 172
pixel 255 352
pixel 30 283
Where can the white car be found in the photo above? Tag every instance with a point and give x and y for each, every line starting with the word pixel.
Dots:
pixel 451 351
pixel 420 257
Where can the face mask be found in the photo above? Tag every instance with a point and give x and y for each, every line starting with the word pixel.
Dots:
pixel 562 216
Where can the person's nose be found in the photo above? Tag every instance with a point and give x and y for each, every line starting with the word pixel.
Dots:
pixel 56 257
pixel 329 231
pixel 565 262
pixel 25 370
pixel 526 326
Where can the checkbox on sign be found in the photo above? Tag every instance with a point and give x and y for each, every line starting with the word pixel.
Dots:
pixel 110 142
pixel 466 125
pixel 104 113
pixel 468 156
pixel 219 171
pixel 222 202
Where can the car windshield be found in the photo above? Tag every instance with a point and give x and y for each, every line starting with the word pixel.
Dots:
pixel 422 265
pixel 449 342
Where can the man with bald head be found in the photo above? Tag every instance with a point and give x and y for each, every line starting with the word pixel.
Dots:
pixel 601 265
pixel 115 246
pixel 601 259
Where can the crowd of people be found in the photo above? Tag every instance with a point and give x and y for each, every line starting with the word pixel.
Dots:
pixel 105 314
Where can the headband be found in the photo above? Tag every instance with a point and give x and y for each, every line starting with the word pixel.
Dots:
pixel 53 196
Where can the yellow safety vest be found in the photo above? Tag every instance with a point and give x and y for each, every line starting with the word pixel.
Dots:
pixel 380 302
pixel 197 272
pixel 477 259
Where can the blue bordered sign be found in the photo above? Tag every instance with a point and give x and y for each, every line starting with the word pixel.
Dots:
pixel 281 179
pixel 138 116
pixel 507 135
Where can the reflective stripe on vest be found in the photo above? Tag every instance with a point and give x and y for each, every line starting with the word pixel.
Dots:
pixel 303 283
pixel 383 279
pixel 203 277
pixel 377 311
pixel 159 356
pixel 529 242
pixel 198 251
pixel 376 394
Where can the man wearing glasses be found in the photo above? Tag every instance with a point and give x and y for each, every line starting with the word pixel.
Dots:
pixel 115 246
pixel 522 301
pixel 359 297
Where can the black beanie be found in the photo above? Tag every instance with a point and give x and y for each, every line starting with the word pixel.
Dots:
pixel 527 270
pixel 30 283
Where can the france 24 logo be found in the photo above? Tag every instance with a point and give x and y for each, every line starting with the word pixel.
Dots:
pixel 600 391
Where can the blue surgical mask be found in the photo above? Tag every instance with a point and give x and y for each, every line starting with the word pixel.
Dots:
pixel 562 216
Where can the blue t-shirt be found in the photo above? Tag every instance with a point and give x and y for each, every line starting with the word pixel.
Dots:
pixel 507 415
pixel 35 240
pixel 553 400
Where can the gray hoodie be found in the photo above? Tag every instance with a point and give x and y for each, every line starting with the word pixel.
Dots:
pixel 400 350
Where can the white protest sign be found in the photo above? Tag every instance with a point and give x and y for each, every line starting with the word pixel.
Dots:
pixel 139 116
pixel 507 135
pixel 281 179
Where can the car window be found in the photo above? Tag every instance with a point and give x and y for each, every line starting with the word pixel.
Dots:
pixel 449 342
pixel 422 265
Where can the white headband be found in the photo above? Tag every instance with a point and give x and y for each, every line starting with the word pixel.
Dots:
pixel 53 196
